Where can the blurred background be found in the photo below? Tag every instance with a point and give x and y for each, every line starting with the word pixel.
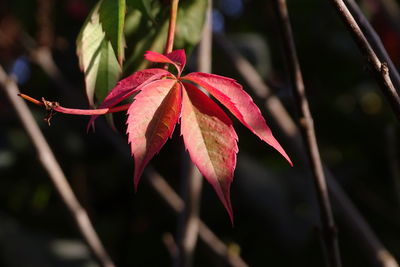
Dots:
pixel 276 214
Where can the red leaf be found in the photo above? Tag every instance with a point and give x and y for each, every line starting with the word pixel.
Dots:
pixel 151 120
pixel 128 86
pixel 177 58
pixel 232 95
pixel 211 141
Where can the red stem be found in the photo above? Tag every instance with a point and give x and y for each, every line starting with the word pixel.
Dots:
pixel 56 107
pixel 31 99
pixel 171 27
pixel 89 112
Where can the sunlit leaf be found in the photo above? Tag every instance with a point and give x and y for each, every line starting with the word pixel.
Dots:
pixel 207 131
pixel 232 95
pixel 97 57
pixel 128 86
pixel 151 120
pixel 210 140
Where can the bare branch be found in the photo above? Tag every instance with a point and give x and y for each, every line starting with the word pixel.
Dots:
pixel 379 69
pixel 374 40
pixel 188 223
pixel 53 169
pixel 307 129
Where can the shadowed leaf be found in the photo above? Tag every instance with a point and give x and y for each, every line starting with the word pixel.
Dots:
pixel 189 26
pixel 112 18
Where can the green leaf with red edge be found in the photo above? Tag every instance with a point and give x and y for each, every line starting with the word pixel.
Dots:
pixel 210 140
pixel 128 86
pixel 233 97
pixel 151 120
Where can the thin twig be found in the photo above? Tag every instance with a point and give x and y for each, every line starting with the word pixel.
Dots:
pixel 350 216
pixel 378 68
pixel 307 129
pixel 50 164
pixel 170 244
pixel 188 226
pixel 188 223
pixel 374 41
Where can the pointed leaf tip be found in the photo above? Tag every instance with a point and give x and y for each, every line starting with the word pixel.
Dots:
pixel 179 57
pixel 151 120
pixel 176 58
pixel 211 141
pixel 231 94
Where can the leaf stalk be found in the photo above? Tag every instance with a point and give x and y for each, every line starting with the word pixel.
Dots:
pixel 171 27
pixel 55 106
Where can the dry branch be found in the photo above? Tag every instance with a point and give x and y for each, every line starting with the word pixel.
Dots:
pixel 177 205
pixel 378 68
pixel 374 41
pixel 306 124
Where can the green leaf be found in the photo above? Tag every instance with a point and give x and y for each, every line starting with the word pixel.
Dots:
pixel 189 24
pixel 108 70
pixel 154 40
pixel 112 17
pixel 132 22
pixel 146 7
pixel 150 36
pixel 97 44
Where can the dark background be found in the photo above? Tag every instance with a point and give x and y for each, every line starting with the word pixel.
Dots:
pixel 276 216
